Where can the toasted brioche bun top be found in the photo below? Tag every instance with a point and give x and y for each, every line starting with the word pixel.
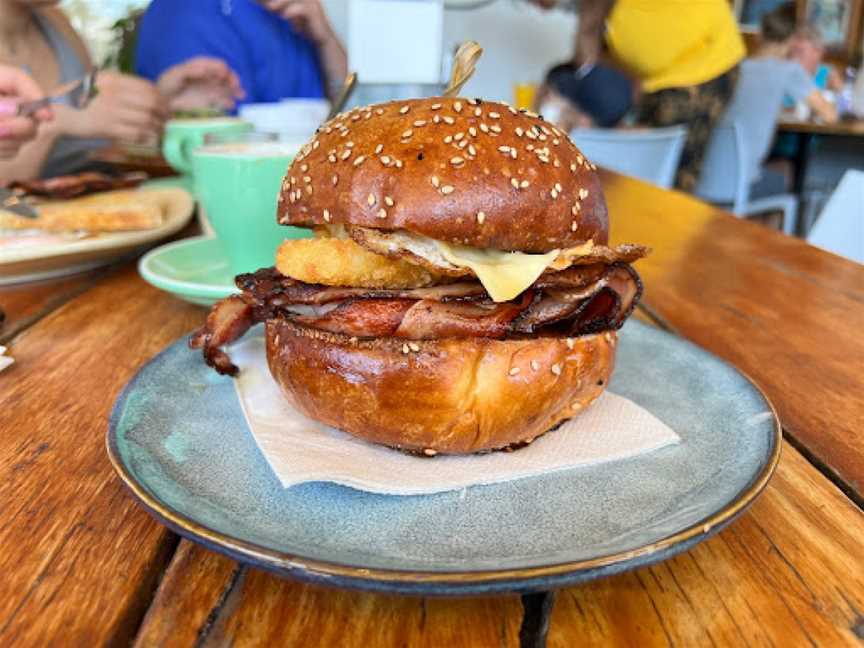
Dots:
pixel 463 171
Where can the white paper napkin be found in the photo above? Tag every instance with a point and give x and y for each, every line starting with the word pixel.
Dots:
pixel 300 450
pixel 5 360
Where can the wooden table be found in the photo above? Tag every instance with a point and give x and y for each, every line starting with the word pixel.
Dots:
pixel 805 131
pixel 83 565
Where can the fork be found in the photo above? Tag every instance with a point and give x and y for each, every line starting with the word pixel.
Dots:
pixel 78 93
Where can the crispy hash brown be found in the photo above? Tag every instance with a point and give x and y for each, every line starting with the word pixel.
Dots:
pixel 342 262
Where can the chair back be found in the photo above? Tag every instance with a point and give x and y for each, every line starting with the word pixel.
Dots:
pixel 840 226
pixel 723 178
pixel 650 155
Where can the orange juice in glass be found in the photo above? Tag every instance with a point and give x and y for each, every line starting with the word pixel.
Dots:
pixel 523 95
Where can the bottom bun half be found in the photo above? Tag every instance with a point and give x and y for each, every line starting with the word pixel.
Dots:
pixel 449 396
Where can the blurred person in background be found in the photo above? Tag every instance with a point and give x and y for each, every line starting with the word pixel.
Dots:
pixel 278 48
pixel 571 98
pixel 36 36
pixel 17 87
pixel 808 49
pixel 765 78
pixel 684 53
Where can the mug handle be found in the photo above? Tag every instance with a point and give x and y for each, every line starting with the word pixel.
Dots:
pixel 175 151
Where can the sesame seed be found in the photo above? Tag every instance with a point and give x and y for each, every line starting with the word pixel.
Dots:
pixel 326 215
pixel 385 160
pixel 462 144
pixel 514 371
pixel 332 158
pixel 345 154
pixel 291 197
pixel 554 194
pixel 405 349
pixel 435 182
pixel 379 148
pixel 576 209
pixel 414 346
pixel 307 179
pixel 457 106
pixel 512 110
pixel 477 112
pixel 481 217
pixel 429 452
pixel 398 164
pixel 519 132
pixel 573 226
pixel 513 153
pixel 473 102
pixel 315 144
pixel 583 194
pixel 456 161
pixel 436 119
pixel 388 201
pixel 447 189
pixel 435 106
pixel 367 115
pixel 484 127
pixel 293 181
pixel 458 136
pixel 530 147
pixel 531 135
pixel 379 111
pixel 558 187
pixel 359 160
pixel 370 199
pixel 573 168
pixel 408 133
pixel 535 365
pixel 472 150
pixel 556 163
pixel 335 180
pixel 570 343
pixel 545 130
pixel 556 141
pixel 556 369
pixel 344 133
pixel 579 160
pixel 419 123
pixel 309 189
pixel 494 115
pixel 472 131
pixel 543 159
pixel 355 118
pixel 504 149
pixel 524 184
pixel 404 109
pixel 514 182
pixel 448 139
pixel 382 213
pixel 304 168
pixel 449 120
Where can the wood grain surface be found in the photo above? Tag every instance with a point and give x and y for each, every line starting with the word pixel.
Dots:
pixel 23 304
pixel 853 128
pixel 787 573
pixel 788 314
pixel 79 560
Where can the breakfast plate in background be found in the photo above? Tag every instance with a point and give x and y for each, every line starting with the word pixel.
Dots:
pixel 76 235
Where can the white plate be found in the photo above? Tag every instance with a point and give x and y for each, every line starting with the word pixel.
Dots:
pixel 68 257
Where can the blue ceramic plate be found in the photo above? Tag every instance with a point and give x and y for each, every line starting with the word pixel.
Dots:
pixel 178 439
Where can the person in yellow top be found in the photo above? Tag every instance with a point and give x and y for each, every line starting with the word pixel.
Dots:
pixel 684 54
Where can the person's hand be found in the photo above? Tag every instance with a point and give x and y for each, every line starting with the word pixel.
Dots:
pixel 125 108
pixel 201 82
pixel 16 87
pixel 307 16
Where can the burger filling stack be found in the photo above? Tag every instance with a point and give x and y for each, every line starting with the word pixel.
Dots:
pixel 459 295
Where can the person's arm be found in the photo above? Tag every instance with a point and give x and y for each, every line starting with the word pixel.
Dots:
pixel 589 35
pixel 823 109
pixel 308 17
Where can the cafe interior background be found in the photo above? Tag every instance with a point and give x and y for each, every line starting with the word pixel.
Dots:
pixel 520 43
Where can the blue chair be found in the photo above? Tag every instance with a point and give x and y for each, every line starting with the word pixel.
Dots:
pixel 725 181
pixel 648 154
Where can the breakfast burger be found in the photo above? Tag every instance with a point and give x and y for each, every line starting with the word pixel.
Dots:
pixel 459 295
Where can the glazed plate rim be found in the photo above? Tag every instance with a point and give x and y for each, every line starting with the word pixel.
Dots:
pixel 450 582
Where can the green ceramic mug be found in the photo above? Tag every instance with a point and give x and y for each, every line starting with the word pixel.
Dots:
pixel 238 178
pixel 182 136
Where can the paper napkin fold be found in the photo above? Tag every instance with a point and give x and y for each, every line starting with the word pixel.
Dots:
pixel 300 449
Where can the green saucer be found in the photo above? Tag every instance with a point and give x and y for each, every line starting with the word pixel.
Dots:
pixel 193 269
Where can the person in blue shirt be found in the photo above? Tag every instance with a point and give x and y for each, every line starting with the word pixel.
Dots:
pixel 277 48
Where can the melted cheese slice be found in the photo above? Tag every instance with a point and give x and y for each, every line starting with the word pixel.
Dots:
pixel 504 275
